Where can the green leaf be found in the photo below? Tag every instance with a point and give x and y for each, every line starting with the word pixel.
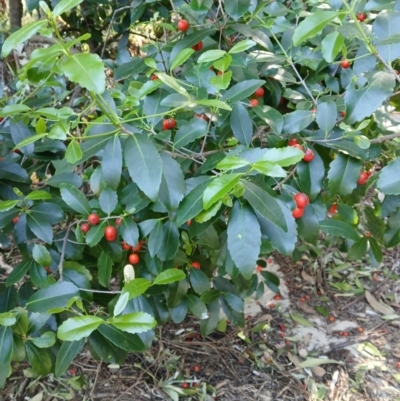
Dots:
pixel 129 231
pixel 284 157
pixel 241 124
pixel 29 140
pixel 271 280
pixel 361 103
pixel 169 276
pixel 170 242
pixel 75 199
pixel 358 249
pixel 362 141
pixel 208 325
pixel 7 319
pixel 385 26
pixel 20 36
pixel 73 153
pixel 389 178
pixel 39 359
pixel 7 205
pixel 199 281
pixel 343 174
pixel 339 228
pixel 126 341
pixel 155 239
pixel 54 296
pixel 311 176
pixel 375 224
pixel 41 255
pixel 95 234
pixel 214 103
pixel 272 117
pixel 38 195
pixel 210 296
pixel 391 236
pixel 121 303
pixel 256 34
pixel 172 188
pixel 183 56
pixel 218 188
pixel 311 362
pixel 299 319
pixel 189 41
pixel 108 200
pixel 375 249
pixel 244 238
pixel 187 133
pixel 282 241
pixel 76 328
pixel 46 340
pixel 296 121
pixel 19 271
pixel 221 82
pixel 201 5
pixel 66 354
pixel 242 46
pixel 232 162
pixel 241 90
pixel 40 226
pixel 85 69
pixel 196 306
pixel 112 163
pixel 347 214
pixel 331 45
pixel 312 25
pixel 211 55
pixel 144 164
pixel 65 5
pixel 133 323
pixel 192 204
pixel 326 116
pixel 270 169
pixel 136 287
pixel 236 8
pixel 12 109
pixel 104 265
pixel 172 83
pixel 265 205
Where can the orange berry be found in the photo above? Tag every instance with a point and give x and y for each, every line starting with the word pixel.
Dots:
pixel 196 265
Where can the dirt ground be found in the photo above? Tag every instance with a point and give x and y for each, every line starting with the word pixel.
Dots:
pixel 320 341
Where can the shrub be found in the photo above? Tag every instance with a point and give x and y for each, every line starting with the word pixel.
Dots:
pixel 191 157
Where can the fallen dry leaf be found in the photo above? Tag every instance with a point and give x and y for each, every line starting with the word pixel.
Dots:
pixel 318 371
pixel 305 308
pixel 294 359
pixel 378 306
pixel 307 277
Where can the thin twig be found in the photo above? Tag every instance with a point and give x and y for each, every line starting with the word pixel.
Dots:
pixel 60 267
pixel 385 138
pixel 95 381
pixel 99 291
pixel 287 178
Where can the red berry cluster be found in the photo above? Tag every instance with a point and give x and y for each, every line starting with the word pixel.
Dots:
pixel 302 202
pixel 308 153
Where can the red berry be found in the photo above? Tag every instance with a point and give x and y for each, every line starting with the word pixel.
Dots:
pixel 271 306
pixel 188 223
pixel 1 119
pixel 293 142
pixel 118 221
pixel 343 114
pixel 277 297
pixel 345 334
pixel 363 178
pixel 85 227
pixel 308 155
pixel 302 299
pixel 345 64
pixel 198 47
pixel 220 72
pixel 301 200
pixel 361 17
pixel 259 92
pixel 72 371
pixel 110 233
pixel 93 219
pixel 313 110
pixel 196 265
pixel 398 365
pixel 253 102
pixel 195 384
pixel 185 385
pixel 165 125
pixel 154 77
pixel 138 247
pixel 298 146
pixel 125 246
pixel 197 368
pixel 298 212
pixel 15 219
pixel 134 259
pixel 333 209
pixel 331 318
pixel 183 25
pixel 203 116
pixel 259 269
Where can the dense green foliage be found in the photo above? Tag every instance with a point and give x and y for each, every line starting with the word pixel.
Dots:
pixel 183 155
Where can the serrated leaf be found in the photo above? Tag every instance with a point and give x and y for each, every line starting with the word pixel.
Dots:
pixel 241 90
pixel 187 133
pixel 339 228
pixel 133 323
pixel 136 287
pixel 211 55
pixel 181 58
pixel 73 153
pixel 241 124
pixel 75 199
pixel 108 200
pixel 41 255
pixel 326 116
pixel 331 46
pixel 66 354
pixel 87 70
pixel 297 121
pixel 76 328
pixel 65 5
pixel 242 46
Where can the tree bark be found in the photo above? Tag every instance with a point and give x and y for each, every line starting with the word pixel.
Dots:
pixel 15 14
